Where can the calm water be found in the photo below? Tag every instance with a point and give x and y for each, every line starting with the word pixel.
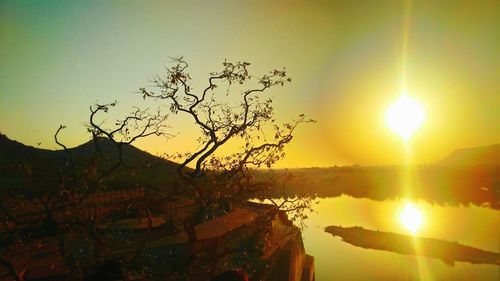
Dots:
pixel 337 260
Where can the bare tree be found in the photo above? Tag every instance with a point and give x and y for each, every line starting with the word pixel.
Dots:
pixel 61 213
pixel 135 125
pixel 246 120
pixel 234 107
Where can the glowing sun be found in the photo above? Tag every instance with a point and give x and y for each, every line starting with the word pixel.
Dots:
pixel 411 218
pixel 405 116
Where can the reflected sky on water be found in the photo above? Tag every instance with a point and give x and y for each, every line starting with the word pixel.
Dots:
pixel 472 226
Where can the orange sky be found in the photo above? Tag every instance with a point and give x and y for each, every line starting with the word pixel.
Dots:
pixel 346 60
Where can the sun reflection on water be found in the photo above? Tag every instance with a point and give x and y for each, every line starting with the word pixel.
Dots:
pixel 411 217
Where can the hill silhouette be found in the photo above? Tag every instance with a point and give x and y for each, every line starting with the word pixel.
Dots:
pixel 483 155
pixel 19 161
pixel 12 150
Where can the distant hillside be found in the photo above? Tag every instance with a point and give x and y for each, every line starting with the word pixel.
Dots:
pixel 467 176
pixel 18 161
pixel 11 149
pixel 484 155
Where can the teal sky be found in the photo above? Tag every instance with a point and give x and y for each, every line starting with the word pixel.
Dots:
pixel 345 58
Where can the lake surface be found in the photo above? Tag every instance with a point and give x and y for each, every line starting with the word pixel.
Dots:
pixel 336 260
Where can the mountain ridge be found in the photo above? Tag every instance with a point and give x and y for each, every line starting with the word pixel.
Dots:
pixel 12 148
pixel 479 155
pixel 20 161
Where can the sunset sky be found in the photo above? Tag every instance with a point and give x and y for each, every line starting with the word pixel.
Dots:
pixel 348 62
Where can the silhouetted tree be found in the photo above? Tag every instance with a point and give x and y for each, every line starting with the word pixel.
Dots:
pixel 234 107
pixel 138 124
pixel 62 212
pixel 244 115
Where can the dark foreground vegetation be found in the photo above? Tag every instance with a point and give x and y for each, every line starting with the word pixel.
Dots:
pixel 448 252
pixel 108 211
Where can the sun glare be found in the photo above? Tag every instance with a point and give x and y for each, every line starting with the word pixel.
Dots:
pixel 405 116
pixel 411 218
